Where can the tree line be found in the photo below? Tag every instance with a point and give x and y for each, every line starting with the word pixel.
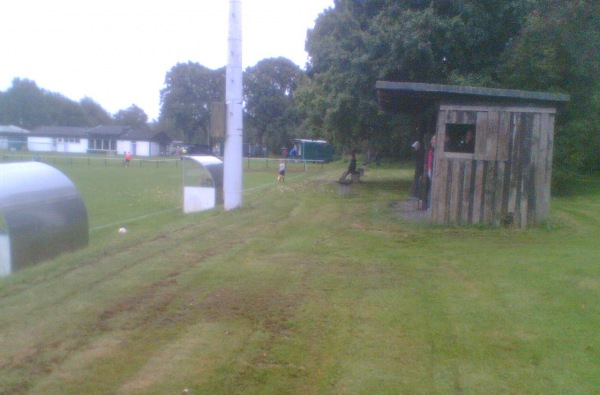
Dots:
pixel 539 45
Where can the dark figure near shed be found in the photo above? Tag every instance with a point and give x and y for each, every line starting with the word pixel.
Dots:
pixel 351 168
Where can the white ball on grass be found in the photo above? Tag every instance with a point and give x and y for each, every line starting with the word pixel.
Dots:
pixel 122 230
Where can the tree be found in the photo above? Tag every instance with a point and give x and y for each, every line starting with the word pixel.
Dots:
pixel 557 50
pixel 186 101
pixel 133 117
pixel 269 95
pixel 94 113
pixel 540 45
pixel 17 104
pixel 26 105
pixel 336 101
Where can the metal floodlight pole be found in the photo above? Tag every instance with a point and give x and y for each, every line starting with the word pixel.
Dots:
pixel 232 161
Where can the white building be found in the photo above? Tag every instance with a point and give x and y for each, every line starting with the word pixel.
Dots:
pixel 64 139
pixel 100 139
pixel 13 137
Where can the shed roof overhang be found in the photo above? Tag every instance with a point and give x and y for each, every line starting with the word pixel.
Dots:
pixel 419 97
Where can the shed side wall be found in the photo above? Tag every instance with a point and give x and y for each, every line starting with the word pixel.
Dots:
pixel 507 179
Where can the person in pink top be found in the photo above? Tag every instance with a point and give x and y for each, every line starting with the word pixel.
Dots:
pixel 127 158
pixel 429 172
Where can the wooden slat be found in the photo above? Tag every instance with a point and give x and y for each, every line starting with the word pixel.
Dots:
pixel 548 163
pixel 506 214
pixel 536 170
pixel 489 189
pixel 455 183
pixel 498 193
pixel 467 193
pixel 526 131
pixel 466 117
pixel 478 191
pixel 543 167
pixel 481 135
pixel 437 183
pixel 491 142
pixel 504 136
pixel 438 192
pixel 515 159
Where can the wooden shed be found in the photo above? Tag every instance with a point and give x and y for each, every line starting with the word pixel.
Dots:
pixel 491 155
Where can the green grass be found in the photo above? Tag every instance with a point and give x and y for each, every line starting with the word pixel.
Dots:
pixel 303 291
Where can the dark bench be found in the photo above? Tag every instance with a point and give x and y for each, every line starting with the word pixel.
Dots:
pixel 355 177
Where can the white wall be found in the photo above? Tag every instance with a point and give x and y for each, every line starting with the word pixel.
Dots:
pixel 4 255
pixel 49 144
pixel 198 199
pixel 124 146
pixel 40 144
pixel 147 148
pixel 141 148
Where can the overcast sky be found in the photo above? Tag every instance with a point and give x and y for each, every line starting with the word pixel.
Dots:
pixel 117 52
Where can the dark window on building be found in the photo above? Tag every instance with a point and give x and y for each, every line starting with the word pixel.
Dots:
pixel 102 145
pixel 460 138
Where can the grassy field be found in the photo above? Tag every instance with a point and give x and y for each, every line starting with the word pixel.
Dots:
pixel 303 291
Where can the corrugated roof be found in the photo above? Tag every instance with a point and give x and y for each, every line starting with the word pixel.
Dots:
pixel 13 129
pixel 412 96
pixel 112 131
pixel 136 134
pixel 60 131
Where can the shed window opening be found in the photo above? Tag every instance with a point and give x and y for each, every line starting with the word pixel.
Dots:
pixel 460 138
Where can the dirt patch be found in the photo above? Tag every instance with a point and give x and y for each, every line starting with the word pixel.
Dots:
pixel 410 210
pixel 155 297
pixel 269 309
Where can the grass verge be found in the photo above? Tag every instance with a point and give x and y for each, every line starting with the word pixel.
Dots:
pixel 306 291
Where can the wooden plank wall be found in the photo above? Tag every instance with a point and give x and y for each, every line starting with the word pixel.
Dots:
pixel 507 180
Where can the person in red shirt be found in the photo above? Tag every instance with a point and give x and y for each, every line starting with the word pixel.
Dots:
pixel 127 158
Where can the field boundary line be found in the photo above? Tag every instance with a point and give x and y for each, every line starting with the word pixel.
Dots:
pixel 100 227
pixel 133 219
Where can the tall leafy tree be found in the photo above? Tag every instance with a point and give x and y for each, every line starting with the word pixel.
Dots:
pixel 94 113
pixel 27 105
pixel 190 88
pixel 558 50
pixel 133 117
pixel 17 105
pixel 445 41
pixel 269 95
pixel 338 101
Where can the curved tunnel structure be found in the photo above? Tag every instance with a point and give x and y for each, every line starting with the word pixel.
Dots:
pixel 202 183
pixel 42 215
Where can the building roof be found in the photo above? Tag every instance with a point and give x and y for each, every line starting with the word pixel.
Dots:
pixel 101 131
pixel 410 94
pixel 60 131
pixel 108 131
pixel 11 129
pixel 137 134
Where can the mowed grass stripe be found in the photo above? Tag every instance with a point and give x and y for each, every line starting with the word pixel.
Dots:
pixel 306 291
